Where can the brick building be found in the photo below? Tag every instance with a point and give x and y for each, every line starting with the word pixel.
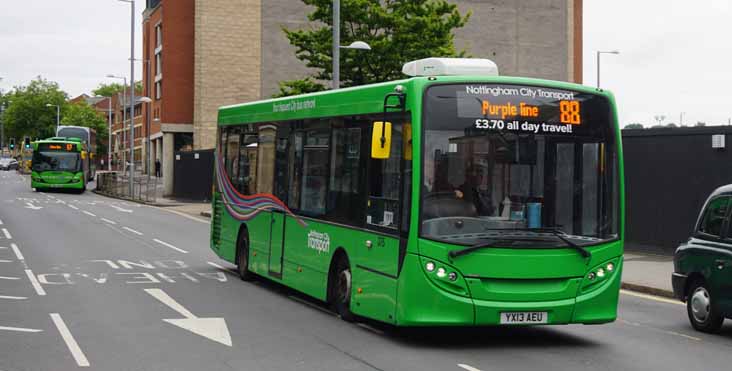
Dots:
pixel 231 51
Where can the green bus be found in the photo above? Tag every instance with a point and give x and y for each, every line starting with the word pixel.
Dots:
pixel 454 197
pixel 59 163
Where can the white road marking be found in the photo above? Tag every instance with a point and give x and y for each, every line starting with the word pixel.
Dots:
pixel 16 250
pixel 467 367
pixel 214 329
pixel 19 329
pixel 180 214
pixel 13 297
pixel 69 340
pixel 7 234
pixel 1 222
pixel 674 333
pixel 32 207
pixel 121 209
pixel 216 265
pixel 169 245
pixel 8 278
pixel 34 281
pixel 87 213
pixel 73 207
pixel 108 221
pixel 132 230
pixel 651 297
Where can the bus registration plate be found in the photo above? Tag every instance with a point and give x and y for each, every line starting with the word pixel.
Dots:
pixel 513 318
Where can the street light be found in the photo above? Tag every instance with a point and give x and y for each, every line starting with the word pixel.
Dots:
pixel 132 93
pixel 124 118
pixel 598 62
pixel 58 114
pixel 360 45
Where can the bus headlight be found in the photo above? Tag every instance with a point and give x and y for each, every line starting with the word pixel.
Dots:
pixel 445 277
pixel 599 274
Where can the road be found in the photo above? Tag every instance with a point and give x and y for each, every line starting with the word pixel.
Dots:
pixel 88 281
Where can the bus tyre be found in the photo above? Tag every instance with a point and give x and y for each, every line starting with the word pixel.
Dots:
pixel 700 306
pixel 242 258
pixel 341 294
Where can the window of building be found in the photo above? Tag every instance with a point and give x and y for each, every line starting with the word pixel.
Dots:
pixel 714 216
pixel 158 64
pixel 158 35
pixel 159 89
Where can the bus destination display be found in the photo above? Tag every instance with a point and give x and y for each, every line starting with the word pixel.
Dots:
pixel 50 147
pixel 521 108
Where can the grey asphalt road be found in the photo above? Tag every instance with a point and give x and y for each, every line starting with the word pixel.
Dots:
pixel 88 280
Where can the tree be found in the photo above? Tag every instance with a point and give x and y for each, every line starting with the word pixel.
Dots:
pixel 82 114
pixel 397 31
pixel 28 114
pixel 635 125
pixel 108 90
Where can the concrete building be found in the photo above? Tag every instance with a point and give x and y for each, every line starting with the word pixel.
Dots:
pixel 231 51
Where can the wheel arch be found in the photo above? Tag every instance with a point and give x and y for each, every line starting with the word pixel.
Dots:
pixel 340 253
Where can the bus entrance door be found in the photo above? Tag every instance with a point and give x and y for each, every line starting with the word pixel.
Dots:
pixel 276 243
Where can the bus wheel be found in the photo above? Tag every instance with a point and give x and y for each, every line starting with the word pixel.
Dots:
pixel 242 257
pixel 341 294
pixel 700 306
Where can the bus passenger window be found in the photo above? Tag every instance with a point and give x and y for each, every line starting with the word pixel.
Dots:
pixel 385 185
pixel 315 172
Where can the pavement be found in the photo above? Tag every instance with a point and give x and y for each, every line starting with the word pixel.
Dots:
pixel 93 282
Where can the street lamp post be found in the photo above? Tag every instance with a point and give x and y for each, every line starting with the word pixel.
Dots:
pixel 58 114
pixel 132 93
pixel 337 44
pixel 598 62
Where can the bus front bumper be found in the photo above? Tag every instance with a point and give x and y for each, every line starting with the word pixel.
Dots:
pixel 422 303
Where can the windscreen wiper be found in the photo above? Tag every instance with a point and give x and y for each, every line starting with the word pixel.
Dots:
pixel 487 243
pixel 561 235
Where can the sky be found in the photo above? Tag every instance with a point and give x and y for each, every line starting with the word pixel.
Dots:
pixel 674 54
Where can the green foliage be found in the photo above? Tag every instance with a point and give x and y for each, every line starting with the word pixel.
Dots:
pixel 82 114
pixel 107 90
pixel 28 113
pixel 634 125
pixel 398 31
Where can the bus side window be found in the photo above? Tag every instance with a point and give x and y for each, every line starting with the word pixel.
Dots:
pixel 385 180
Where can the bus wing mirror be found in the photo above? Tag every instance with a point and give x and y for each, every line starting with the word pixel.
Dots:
pixel 83 155
pixel 381 140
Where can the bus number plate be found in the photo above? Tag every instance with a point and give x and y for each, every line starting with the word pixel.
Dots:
pixel 513 318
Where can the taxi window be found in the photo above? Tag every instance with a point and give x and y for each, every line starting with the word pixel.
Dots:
pixel 714 216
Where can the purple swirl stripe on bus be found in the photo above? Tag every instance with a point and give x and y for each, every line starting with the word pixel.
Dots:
pixel 244 208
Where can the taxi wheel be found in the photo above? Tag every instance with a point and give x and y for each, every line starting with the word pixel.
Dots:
pixel 700 306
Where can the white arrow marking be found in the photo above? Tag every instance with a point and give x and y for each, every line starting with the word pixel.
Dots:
pixel 32 207
pixel 212 328
pixel 19 329
pixel 7 234
pixel 121 209
pixel 73 207
pixel 34 282
pixel 467 367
